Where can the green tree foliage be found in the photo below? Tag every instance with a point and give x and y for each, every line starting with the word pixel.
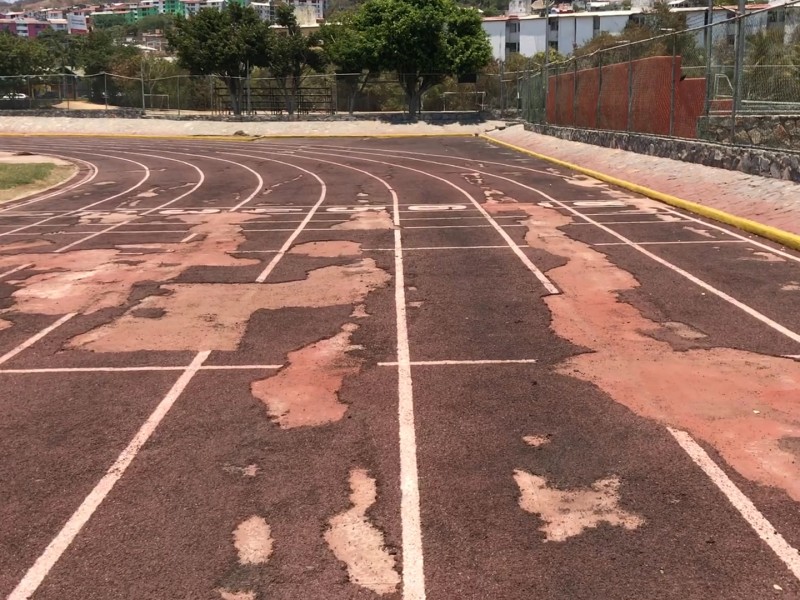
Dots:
pixel 227 43
pixel 293 55
pixel 21 56
pixel 423 41
pixel 348 48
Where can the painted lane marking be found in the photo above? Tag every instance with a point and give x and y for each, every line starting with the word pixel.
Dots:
pixel 436 207
pixel 696 280
pixel 14 270
pixel 35 338
pixel 552 289
pixel 598 203
pixel 354 209
pixel 76 211
pixel 36 574
pixel 410 518
pixel 298 230
pixel 592 222
pixel 136 369
pixel 191 190
pixel 765 530
pixel 711 242
pixel 565 176
pixel 189 238
pixel 435 363
pixel 413 567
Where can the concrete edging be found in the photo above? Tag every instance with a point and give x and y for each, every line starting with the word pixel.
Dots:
pixel 774 234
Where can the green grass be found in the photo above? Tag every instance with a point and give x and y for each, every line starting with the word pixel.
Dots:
pixel 12 175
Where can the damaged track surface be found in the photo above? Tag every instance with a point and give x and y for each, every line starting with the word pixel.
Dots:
pixel 212 387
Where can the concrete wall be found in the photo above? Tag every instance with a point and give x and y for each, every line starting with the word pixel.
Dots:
pixel 532 36
pixel 496 30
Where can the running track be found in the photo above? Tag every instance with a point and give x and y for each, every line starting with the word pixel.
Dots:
pixel 387 368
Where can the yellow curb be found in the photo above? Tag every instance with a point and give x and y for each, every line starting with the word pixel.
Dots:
pixel 785 238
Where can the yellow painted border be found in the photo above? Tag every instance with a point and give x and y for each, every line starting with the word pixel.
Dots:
pixel 785 238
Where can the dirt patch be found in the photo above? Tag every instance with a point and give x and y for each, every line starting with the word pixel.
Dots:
pixel 569 513
pixel 306 392
pixel 327 249
pixel 86 281
pixel 213 316
pixel 253 541
pixel 709 392
pixel 369 219
pixel 358 543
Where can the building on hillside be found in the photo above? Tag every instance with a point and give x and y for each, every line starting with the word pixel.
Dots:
pixel 59 25
pixel 30 28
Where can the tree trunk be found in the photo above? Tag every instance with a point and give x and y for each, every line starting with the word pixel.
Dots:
pixel 233 92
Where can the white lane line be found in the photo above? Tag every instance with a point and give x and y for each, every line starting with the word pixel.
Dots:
pixel 14 270
pixel 191 190
pixel 189 238
pixel 93 171
pixel 794 356
pixel 566 176
pixel 36 574
pixel 298 230
pixel 552 289
pixel 765 530
pixel 654 222
pixel 410 519
pixel 696 280
pixel 135 369
pixel 460 226
pixel 413 567
pixel 129 231
pixel 434 363
pixel 33 339
pixel 673 243
pixel 78 210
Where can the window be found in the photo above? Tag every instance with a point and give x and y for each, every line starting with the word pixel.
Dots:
pixel 596 25
pixel 512 47
pixel 513 27
pixel 553 45
pixel 553 24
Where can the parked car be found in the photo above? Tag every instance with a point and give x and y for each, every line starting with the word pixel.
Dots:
pixel 14 96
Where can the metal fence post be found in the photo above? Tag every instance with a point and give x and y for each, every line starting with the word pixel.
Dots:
pixel 630 89
pixel 738 68
pixel 599 117
pixel 709 41
pixel 673 85
pixel 556 103
pixel 575 93
pixel 144 107
pixel 105 88
pixel 179 95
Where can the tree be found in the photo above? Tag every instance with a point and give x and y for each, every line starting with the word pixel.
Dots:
pixel 347 47
pixel 21 56
pixel 423 41
pixel 293 55
pixel 227 43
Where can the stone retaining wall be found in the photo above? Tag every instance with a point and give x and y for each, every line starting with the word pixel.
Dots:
pixel 774 131
pixel 766 162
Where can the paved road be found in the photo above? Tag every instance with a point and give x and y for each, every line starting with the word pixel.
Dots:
pixel 403 369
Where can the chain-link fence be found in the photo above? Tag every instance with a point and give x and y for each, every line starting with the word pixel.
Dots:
pixel 734 81
pixel 312 94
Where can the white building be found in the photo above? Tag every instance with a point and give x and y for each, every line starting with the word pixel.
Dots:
pixel 564 32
